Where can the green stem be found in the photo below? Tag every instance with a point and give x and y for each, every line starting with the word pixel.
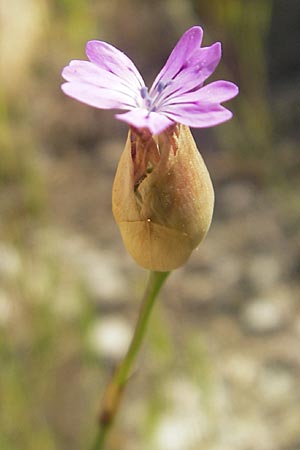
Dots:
pixel 115 387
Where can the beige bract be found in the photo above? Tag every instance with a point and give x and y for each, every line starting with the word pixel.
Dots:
pixel 162 197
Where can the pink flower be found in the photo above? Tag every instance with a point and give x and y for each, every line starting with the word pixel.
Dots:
pixel 110 80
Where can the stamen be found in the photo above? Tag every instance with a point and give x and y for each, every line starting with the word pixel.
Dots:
pixel 144 92
pixel 160 87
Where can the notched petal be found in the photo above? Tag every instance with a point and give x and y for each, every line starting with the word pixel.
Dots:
pixel 110 58
pixel 183 50
pixel 196 70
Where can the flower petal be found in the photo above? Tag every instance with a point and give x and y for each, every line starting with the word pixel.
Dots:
pixel 197 69
pixel 88 72
pixel 215 92
pixel 141 118
pixel 185 47
pixel 198 115
pixel 204 61
pixel 113 60
pixel 97 96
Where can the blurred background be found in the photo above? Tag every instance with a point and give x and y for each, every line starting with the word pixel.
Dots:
pixel 220 368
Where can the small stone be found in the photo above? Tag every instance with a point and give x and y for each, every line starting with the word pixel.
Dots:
pixel 179 431
pixel 110 337
pixel 185 423
pixel 264 315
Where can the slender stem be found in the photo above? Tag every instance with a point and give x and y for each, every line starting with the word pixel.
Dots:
pixel 115 387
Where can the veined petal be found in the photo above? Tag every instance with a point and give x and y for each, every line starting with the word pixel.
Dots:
pixel 98 97
pixel 198 115
pixel 141 118
pixel 184 49
pixel 215 92
pixel 204 61
pixel 197 69
pixel 111 59
pixel 88 72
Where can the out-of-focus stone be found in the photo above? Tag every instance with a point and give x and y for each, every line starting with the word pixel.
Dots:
pixel 179 431
pixel 264 315
pixel 110 337
pixel 185 423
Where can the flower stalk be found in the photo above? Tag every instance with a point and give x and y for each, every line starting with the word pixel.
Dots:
pixel 115 388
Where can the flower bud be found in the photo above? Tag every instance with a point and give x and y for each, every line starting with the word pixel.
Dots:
pixel 162 197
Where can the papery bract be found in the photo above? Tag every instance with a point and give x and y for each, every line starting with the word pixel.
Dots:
pixel 162 197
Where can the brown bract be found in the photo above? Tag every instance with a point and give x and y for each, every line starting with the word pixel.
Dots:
pixel 162 197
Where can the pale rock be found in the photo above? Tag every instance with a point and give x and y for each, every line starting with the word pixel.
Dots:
pixel 263 315
pixel 186 422
pixel 178 431
pixel 110 337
